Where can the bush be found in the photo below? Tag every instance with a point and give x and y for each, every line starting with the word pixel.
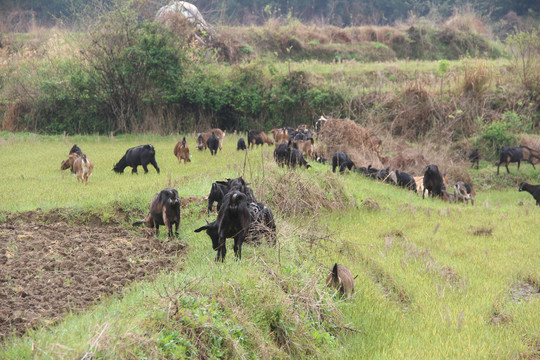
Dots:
pixel 500 133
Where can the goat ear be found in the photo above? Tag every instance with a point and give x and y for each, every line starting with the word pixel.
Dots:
pixel 201 228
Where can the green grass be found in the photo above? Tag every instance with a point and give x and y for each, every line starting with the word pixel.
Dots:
pixel 432 276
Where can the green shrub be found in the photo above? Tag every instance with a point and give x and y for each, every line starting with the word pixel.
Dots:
pixel 502 132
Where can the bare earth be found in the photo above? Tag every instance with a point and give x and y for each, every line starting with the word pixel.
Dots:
pixel 47 269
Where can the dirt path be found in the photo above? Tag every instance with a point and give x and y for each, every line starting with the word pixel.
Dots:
pixel 48 269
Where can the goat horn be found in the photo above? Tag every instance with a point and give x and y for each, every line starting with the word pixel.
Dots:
pixel 207 222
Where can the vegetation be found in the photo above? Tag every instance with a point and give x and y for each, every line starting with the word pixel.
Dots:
pixel 339 13
pixel 430 274
pixel 435 280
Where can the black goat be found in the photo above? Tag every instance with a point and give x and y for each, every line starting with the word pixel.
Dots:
pixel 217 192
pixel 474 157
pixel 76 150
pixel 510 154
pixel 213 143
pixel 140 155
pixel 241 145
pixel 534 190
pixel 223 187
pixel 342 161
pixel 164 210
pixel 233 221
pixel 404 180
pixel 433 181
pixel 288 154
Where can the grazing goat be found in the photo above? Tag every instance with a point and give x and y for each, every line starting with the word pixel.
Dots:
pixel 433 181
pixel 342 161
pixel 288 154
pixel 258 138
pixel 510 154
pixel 403 179
pixel 241 145
pixel 340 278
pixel 233 221
pixel 306 147
pixel 213 143
pixel 261 223
pixel 464 192
pixel 80 165
pixel 534 190
pixel 181 151
pixel 202 139
pixel 164 210
pixel 474 157
pixel 140 155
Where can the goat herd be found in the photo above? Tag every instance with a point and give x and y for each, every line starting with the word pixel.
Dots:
pixel 242 217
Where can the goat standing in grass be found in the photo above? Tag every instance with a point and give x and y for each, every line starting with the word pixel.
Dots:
pixel 341 279
pixel 164 210
pixel 534 190
pixel 80 165
pixel 510 154
pixel 181 151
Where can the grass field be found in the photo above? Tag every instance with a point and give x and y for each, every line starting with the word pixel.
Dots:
pixel 435 280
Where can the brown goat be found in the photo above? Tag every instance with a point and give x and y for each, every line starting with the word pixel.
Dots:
pixel 306 147
pixel 340 278
pixel 203 138
pixel 164 210
pixel 80 166
pixel 181 151
pixel 464 192
pixel 258 138
pixel 280 135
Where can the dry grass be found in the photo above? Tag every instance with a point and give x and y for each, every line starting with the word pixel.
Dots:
pixel 347 136
pixel 414 111
pixel 477 76
pixel 466 19
pixel 295 193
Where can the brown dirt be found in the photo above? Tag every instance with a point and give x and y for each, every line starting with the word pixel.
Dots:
pixel 49 269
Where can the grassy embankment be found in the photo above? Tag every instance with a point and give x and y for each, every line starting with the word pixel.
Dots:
pixel 435 280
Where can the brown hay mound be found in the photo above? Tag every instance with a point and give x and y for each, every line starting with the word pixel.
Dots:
pixel 293 193
pixel 347 136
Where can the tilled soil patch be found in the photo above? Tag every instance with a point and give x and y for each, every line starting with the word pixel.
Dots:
pixel 48 269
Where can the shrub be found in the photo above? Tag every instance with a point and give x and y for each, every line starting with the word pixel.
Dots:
pixel 501 133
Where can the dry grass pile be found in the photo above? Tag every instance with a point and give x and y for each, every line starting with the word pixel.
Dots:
pixel 296 193
pixel 413 111
pixel 347 136
pixel 414 160
pixel 466 19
